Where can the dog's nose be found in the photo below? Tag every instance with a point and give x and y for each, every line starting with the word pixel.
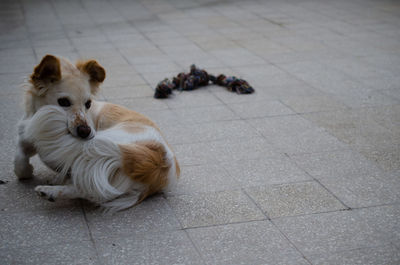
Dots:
pixel 83 131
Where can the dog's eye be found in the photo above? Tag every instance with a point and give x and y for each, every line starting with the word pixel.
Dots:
pixel 88 104
pixel 64 102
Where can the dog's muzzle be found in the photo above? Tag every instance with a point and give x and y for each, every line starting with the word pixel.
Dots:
pixel 83 131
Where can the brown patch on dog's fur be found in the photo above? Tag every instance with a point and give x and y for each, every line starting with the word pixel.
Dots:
pixel 48 71
pixel 78 121
pixel 178 169
pixel 96 72
pixel 112 114
pixel 132 128
pixel 145 162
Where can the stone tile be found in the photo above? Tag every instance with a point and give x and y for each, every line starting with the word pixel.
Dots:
pixel 194 154
pixel 197 98
pixel 122 77
pixel 250 72
pixel 154 78
pixel 240 149
pixel 213 208
pixel 163 118
pixel 204 178
pixel 155 68
pixel 315 74
pixel 385 219
pixel 313 103
pixel 293 134
pixel 204 114
pixel 294 199
pixel 83 253
pixel 19 196
pixel 350 126
pixel 22 64
pixel 206 132
pixel 357 69
pixel 276 80
pixel 12 84
pixel 387 116
pixel 362 191
pixel 161 248
pixel 324 233
pixel 8 151
pixel 342 163
pixel 298 43
pixel 259 109
pixel 34 228
pixel 122 92
pixel 141 104
pixel 179 41
pixel 237 57
pixel 359 98
pixel 320 55
pixel 248 243
pixel 204 61
pixel 229 97
pixel 355 180
pixel 382 255
pixel 217 43
pixel 298 91
pixel 390 178
pixel 151 216
pixel 265 171
pixel 266 49
pixel 387 157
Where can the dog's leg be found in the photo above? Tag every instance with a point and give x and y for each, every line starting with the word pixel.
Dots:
pixel 22 168
pixel 52 193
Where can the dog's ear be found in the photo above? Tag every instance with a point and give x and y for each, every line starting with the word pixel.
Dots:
pixel 96 72
pixel 48 71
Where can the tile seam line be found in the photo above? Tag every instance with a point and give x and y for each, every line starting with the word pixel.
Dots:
pixel 290 242
pixel 60 243
pixel 63 27
pixel 338 211
pixel 145 37
pixel 225 224
pixel 100 28
pixel 309 214
pixel 244 190
pixel 22 8
pixel 358 248
pixel 259 133
pixel 343 20
pixel 183 229
pixel 99 260
pixel 256 204
pixel 139 234
pixel 329 191
pixel 349 147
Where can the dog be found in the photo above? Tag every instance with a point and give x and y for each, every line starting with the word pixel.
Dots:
pixel 101 152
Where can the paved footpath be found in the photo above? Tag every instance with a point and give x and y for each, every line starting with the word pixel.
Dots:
pixel 304 171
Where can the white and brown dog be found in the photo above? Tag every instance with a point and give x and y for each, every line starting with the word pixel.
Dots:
pixel 108 154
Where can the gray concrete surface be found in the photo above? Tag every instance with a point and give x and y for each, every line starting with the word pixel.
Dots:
pixel 304 171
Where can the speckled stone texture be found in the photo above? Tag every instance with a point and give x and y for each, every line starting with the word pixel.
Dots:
pixel 294 199
pixel 304 171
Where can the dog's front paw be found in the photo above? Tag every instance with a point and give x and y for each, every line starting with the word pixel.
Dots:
pixel 45 192
pixel 23 170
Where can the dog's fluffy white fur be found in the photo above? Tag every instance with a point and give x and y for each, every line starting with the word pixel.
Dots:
pixel 118 160
pixel 93 165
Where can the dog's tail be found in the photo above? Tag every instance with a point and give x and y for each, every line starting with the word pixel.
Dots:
pixel 147 163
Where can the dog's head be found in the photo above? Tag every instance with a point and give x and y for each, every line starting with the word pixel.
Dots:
pixel 56 81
